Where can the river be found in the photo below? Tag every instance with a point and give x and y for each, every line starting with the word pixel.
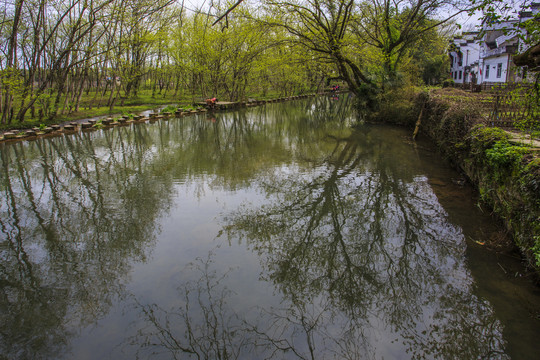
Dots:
pixel 285 231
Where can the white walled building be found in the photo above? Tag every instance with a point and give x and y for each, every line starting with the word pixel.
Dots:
pixel 464 55
pixel 486 56
pixel 497 47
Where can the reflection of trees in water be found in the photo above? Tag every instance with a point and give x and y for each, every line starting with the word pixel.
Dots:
pixel 77 210
pixel 377 244
pixel 204 326
pixel 70 225
pixel 223 147
pixel 356 242
pixel 365 258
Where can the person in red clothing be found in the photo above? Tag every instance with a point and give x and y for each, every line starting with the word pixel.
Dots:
pixel 211 103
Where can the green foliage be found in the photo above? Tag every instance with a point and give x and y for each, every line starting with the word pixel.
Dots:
pixel 430 56
pixel 156 48
pixel 507 174
pixel 526 102
pixel 396 106
pixel 98 124
pixel 504 155
pixel 531 26
pixel 509 181
pixel 169 109
pixel 448 83
pixel 455 123
pixel 536 247
pixel 486 137
pixel 492 147
pixel 500 11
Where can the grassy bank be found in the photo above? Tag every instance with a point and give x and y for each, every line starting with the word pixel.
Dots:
pixel 505 167
pixel 133 105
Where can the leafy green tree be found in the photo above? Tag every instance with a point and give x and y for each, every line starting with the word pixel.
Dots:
pixel 366 40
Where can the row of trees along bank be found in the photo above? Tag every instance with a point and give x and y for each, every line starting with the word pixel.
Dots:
pixel 59 56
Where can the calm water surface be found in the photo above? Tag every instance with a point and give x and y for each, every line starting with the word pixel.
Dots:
pixel 275 232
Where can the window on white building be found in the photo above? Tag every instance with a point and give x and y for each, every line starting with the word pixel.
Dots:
pixel 487 71
pixel 459 74
pixel 499 70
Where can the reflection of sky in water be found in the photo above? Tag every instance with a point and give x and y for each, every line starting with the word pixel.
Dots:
pixel 316 232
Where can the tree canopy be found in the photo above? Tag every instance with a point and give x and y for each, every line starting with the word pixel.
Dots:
pixel 56 57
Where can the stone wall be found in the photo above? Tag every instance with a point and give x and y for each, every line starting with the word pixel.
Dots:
pixel 504 168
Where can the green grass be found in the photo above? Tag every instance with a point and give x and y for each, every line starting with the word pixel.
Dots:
pixel 134 105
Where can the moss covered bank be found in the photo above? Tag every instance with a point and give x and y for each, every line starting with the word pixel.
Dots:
pixel 503 166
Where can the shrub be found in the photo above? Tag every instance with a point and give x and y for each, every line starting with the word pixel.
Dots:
pixel 447 83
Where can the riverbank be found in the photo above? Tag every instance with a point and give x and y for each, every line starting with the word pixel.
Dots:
pixel 143 102
pixel 151 113
pixel 504 166
pixel 281 209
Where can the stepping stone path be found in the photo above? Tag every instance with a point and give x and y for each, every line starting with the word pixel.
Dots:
pixel 127 119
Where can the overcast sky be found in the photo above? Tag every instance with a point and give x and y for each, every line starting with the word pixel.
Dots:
pixel 467 22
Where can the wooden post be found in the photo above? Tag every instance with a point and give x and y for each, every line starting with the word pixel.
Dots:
pixel 418 122
pixel 495 115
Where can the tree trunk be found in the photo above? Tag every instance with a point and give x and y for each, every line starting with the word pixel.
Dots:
pixel 11 62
